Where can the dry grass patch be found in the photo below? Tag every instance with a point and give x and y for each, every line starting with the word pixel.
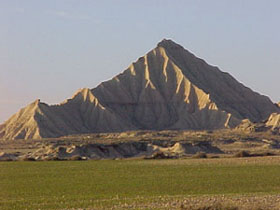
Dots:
pixel 217 206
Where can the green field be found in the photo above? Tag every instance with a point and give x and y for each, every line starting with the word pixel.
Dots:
pixel 102 184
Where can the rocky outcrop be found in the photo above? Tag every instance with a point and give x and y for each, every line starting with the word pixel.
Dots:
pixel 272 124
pixel 168 88
pixel 112 151
pixel 248 126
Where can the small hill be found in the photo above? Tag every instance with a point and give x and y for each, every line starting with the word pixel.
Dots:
pixel 272 124
pixel 80 114
pixel 168 88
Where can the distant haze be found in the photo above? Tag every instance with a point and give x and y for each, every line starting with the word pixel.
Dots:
pixel 49 49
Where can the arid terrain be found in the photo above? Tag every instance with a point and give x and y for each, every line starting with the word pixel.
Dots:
pixel 169 88
pixel 142 145
pixel 167 104
pixel 170 132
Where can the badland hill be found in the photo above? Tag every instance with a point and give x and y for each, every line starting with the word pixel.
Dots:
pixel 169 88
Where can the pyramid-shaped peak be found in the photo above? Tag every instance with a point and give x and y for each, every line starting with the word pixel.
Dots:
pixel 35 103
pixel 169 88
pixel 168 43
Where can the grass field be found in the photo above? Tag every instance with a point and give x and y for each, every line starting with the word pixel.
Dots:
pixel 109 183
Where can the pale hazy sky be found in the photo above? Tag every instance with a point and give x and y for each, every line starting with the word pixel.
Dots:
pixel 51 48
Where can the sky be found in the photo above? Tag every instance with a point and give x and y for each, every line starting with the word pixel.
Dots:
pixel 50 49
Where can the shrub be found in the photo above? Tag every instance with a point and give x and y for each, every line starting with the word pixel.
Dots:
pixel 6 159
pixel 215 156
pixel 246 154
pixel 160 155
pixel 242 154
pixel 265 154
pixel 76 157
pixel 200 155
pixel 54 158
pixel 29 159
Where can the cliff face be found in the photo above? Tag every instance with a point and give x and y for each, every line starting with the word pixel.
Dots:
pixel 168 88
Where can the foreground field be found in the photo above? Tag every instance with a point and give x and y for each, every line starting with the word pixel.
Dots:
pixel 138 184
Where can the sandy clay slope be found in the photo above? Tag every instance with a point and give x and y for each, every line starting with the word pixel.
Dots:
pixel 168 88
pixel 272 125
pixel 80 114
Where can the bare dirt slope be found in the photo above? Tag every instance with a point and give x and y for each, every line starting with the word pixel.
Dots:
pixel 272 125
pixel 273 121
pixel 168 88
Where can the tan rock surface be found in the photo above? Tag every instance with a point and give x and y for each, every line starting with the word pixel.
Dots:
pixel 168 88
pixel 271 124
pixel 274 120
pixel 143 144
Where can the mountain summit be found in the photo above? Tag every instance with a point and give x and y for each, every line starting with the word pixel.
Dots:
pixel 168 88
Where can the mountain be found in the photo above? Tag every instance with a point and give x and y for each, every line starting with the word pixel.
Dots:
pixel 168 88
pixel 80 114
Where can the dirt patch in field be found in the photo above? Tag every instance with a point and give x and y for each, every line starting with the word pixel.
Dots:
pixel 205 202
